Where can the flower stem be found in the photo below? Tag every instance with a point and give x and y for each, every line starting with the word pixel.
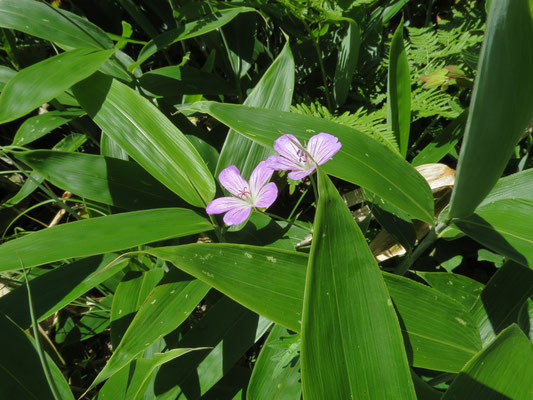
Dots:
pixel 315 190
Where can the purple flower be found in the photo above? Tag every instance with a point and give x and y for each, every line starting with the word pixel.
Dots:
pixel 302 162
pixel 258 193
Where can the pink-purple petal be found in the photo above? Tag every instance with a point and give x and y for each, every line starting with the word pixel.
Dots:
pixel 323 147
pixel 260 176
pixel 297 175
pixel 287 146
pixel 232 180
pixel 223 204
pixel 266 196
pixel 237 215
pixel 279 163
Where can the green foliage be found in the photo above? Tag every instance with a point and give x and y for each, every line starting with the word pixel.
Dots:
pixel 117 118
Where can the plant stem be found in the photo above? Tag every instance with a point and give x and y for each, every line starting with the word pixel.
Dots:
pixel 40 352
pixel 430 238
pixel 315 190
pixel 316 42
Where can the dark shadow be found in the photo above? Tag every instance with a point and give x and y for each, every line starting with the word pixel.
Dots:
pixel 491 238
pixel 505 294
pixel 255 234
pixel 465 387
pixel 92 92
pixel 132 188
pixel 49 288
pixel 406 341
pixel 227 325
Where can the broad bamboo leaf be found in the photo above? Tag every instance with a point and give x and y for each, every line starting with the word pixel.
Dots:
pixel 504 226
pixel 460 288
pixel 192 29
pixel 131 381
pixel 169 304
pixel 21 372
pixel 502 371
pixel 131 293
pixel 104 179
pixel 515 186
pixel 147 136
pixel 228 330
pixel 499 303
pixel 501 106
pixel 276 373
pixel 173 81
pixel 6 74
pixel 346 62
pixel 59 287
pixel 273 91
pixel 275 290
pixel 70 143
pixel 399 91
pixel 349 325
pixel 361 160
pixel 28 90
pixel 36 127
pixel 99 235
pixel 44 21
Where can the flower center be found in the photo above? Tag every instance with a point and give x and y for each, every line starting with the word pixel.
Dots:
pixel 244 194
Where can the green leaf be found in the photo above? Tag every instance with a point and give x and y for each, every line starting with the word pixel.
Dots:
pixel 174 81
pixel 131 293
pixel 229 330
pixel 147 136
pixel 99 235
pixel 273 91
pixel 399 91
pixel 504 226
pixel 44 21
pixel 361 160
pixel 227 268
pixel 59 287
pixel 21 372
pixel 192 29
pixel 518 185
pixel 460 288
pixel 5 75
pixel 346 62
pixel 498 305
pixel 438 333
pixel 345 293
pixel 69 143
pixel 28 90
pixel 501 106
pixel 104 179
pixel 276 373
pixel 504 370
pixel 130 382
pixel 36 127
pixel 169 304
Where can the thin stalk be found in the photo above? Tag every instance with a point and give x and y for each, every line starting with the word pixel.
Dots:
pixel 430 238
pixel 315 190
pixel 42 358
pixel 316 42
pixel 298 203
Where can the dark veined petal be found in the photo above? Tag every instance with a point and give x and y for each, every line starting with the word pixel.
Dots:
pixel 279 163
pixel 237 215
pixel 266 196
pixel 297 175
pixel 232 180
pixel 323 147
pixel 260 176
pixel 287 146
pixel 223 204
